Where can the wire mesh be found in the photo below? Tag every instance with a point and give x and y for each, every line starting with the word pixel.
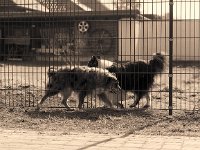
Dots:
pixel 38 34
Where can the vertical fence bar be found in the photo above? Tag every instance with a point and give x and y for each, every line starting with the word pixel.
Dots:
pixel 170 56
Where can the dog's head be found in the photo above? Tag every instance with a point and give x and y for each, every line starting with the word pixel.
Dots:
pixel 160 56
pixel 55 82
pixel 158 62
pixel 112 84
pixel 93 61
pixel 96 61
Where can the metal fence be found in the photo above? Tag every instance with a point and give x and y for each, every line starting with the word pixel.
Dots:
pixel 36 35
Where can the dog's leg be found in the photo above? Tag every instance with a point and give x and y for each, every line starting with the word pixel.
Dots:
pixel 81 95
pixel 48 93
pixel 116 98
pixel 66 94
pixel 116 102
pixel 120 105
pixel 137 99
pixel 148 101
pixel 41 101
pixel 122 95
pixel 104 98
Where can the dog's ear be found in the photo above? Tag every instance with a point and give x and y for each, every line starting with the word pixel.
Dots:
pixel 98 57
pixel 93 57
pixel 51 72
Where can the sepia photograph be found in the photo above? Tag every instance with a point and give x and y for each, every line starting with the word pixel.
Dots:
pixel 100 74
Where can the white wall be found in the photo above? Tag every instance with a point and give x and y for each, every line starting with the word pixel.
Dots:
pixel 152 36
pixel 128 41
pixel 187 48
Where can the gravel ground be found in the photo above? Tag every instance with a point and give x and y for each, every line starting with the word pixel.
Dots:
pixel 21 86
pixel 104 121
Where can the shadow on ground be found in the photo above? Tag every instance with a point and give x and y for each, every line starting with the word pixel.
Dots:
pixel 88 114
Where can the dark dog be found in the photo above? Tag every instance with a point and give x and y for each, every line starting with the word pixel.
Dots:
pixel 137 77
pixel 83 80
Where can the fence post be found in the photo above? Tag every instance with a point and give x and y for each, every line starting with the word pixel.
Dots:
pixel 170 56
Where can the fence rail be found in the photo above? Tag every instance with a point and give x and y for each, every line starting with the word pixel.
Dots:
pixel 38 35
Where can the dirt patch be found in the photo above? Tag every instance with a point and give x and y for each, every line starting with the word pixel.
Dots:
pixel 105 121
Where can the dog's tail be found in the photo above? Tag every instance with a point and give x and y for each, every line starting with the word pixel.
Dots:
pixel 158 62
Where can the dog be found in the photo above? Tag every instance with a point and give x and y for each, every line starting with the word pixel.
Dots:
pixel 137 77
pixel 83 80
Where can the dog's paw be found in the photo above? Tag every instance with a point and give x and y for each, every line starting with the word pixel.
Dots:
pixel 121 106
pixel 104 107
pixel 37 108
pixel 70 109
pixel 146 106
pixel 80 110
pixel 132 105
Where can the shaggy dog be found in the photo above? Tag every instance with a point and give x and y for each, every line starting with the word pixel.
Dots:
pixel 137 77
pixel 83 80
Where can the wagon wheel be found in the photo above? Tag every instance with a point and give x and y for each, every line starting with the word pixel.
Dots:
pixel 83 26
pixel 100 41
